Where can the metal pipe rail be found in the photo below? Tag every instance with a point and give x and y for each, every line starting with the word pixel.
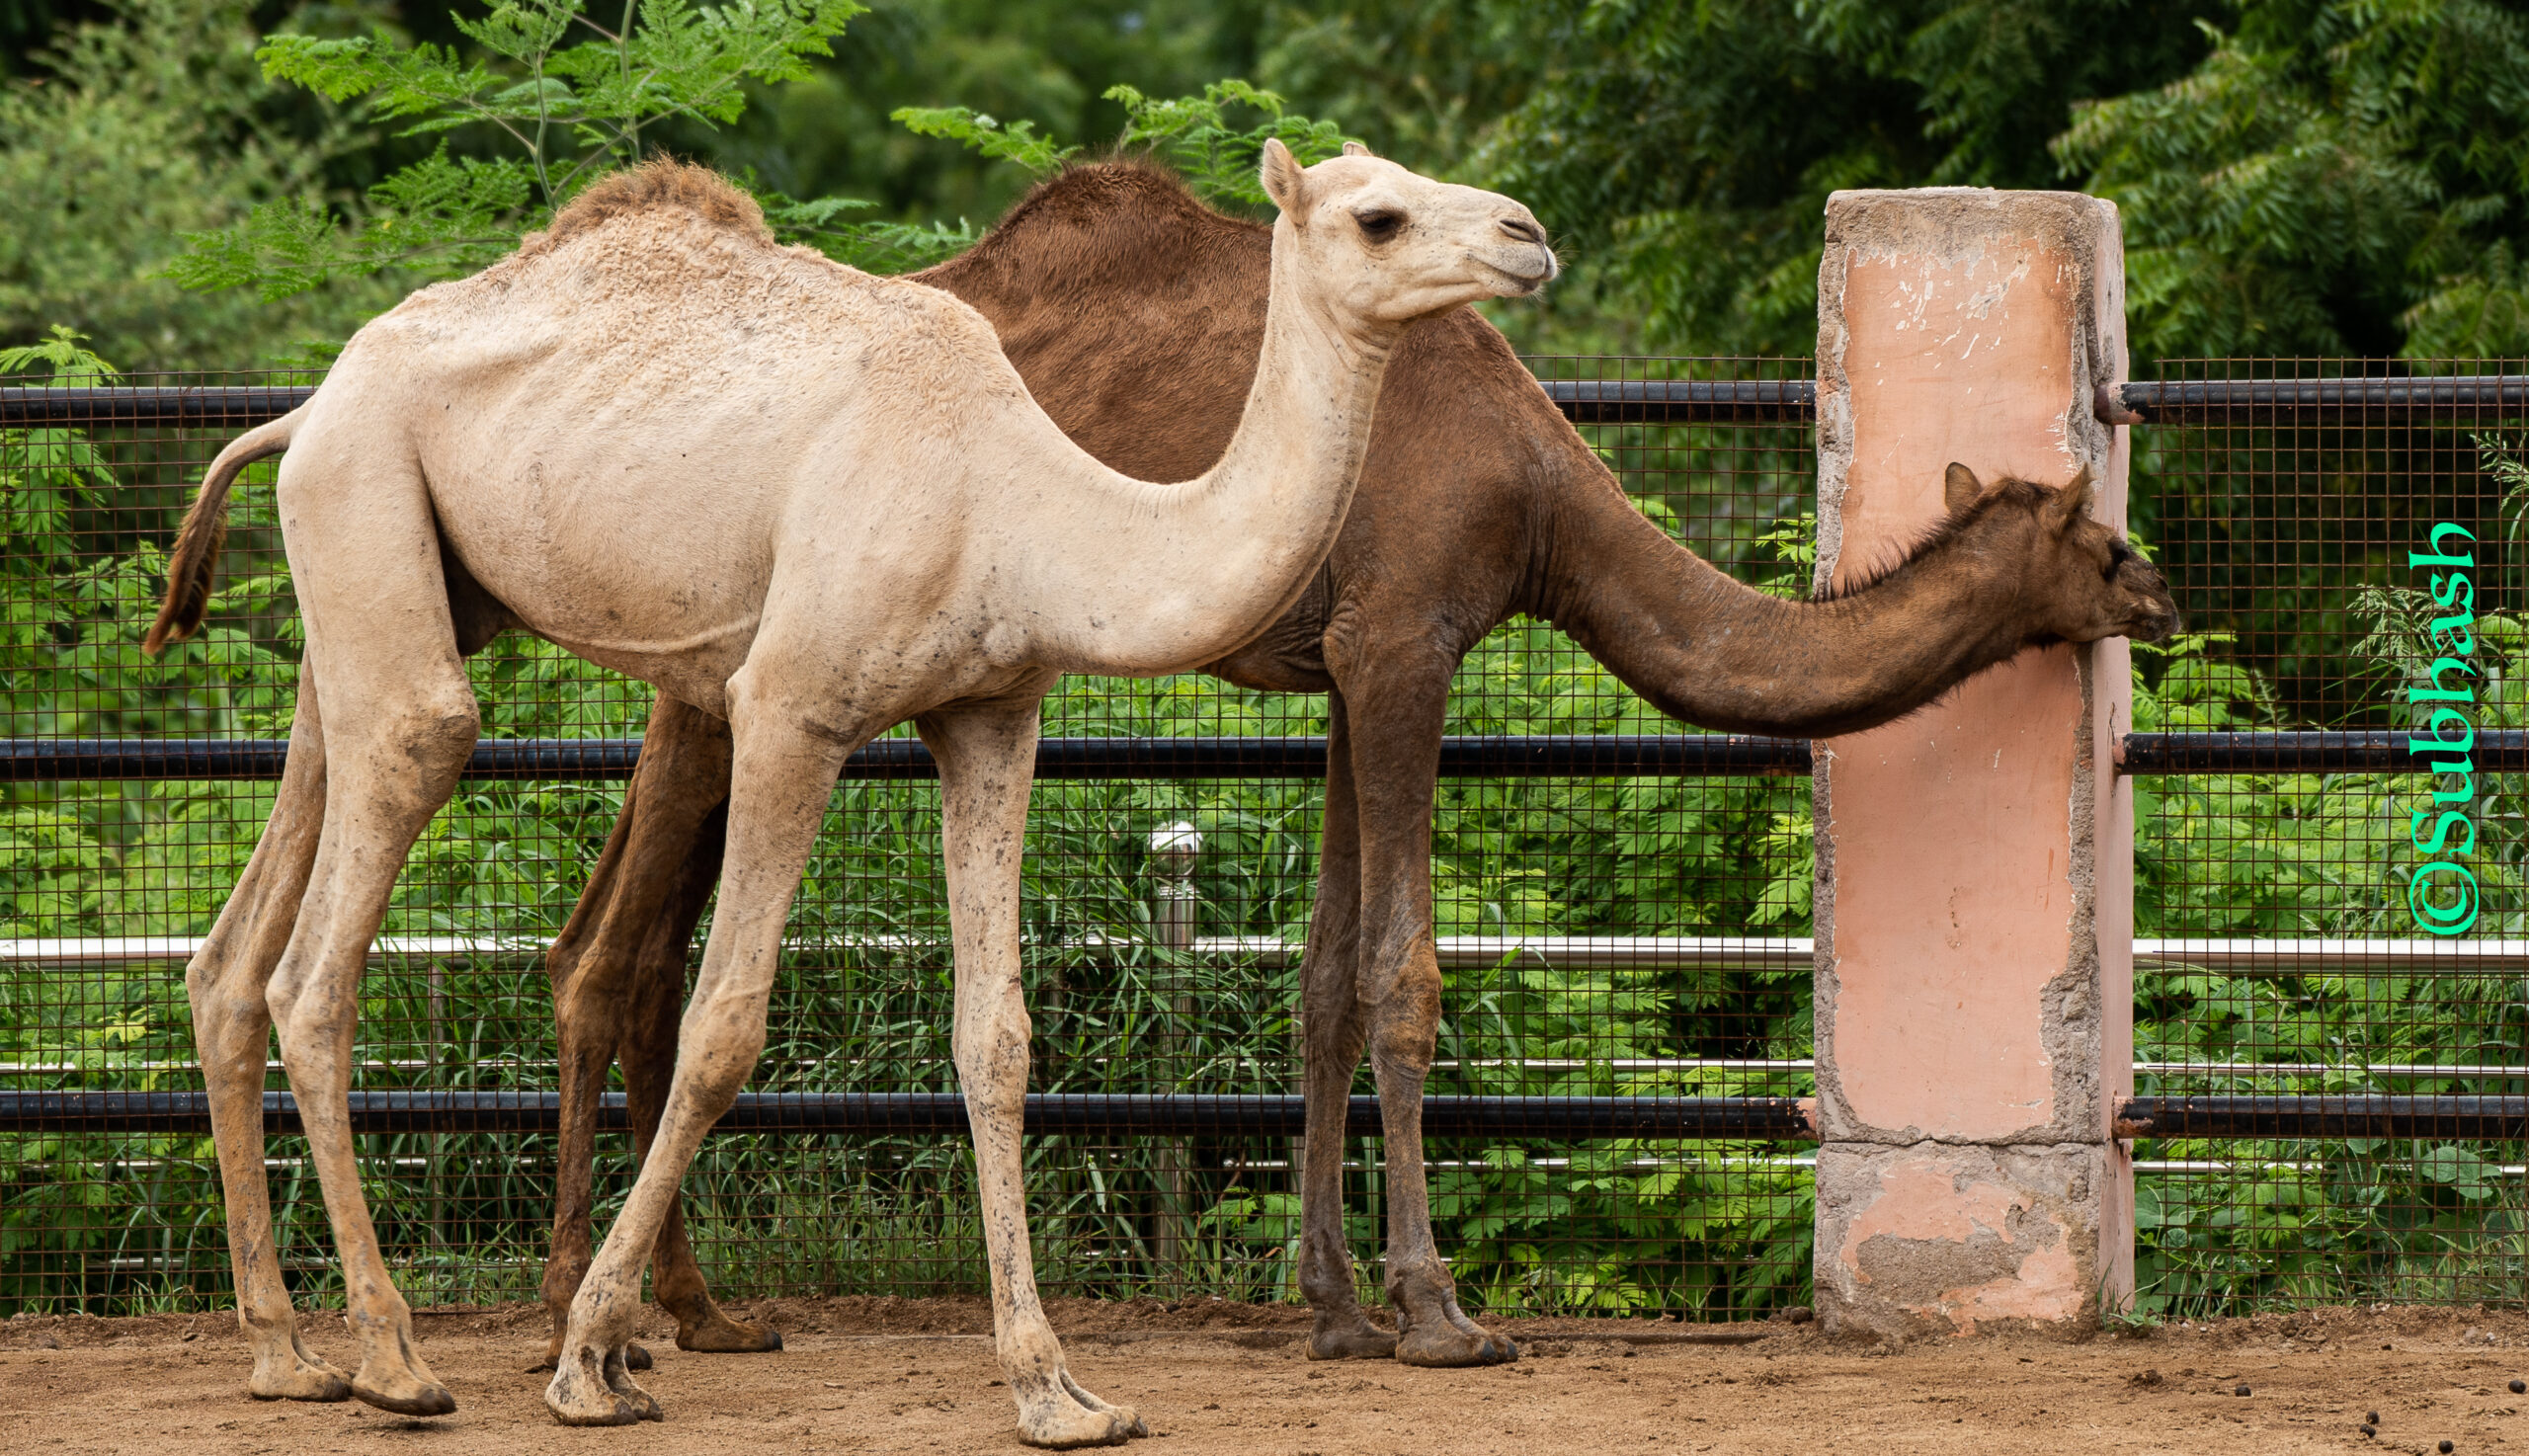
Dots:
pixel 2297 401
pixel 1490 755
pixel 1183 1114
pixel 1200 1114
pixel 1582 401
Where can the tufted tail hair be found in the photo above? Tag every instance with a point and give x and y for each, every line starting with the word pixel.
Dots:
pixel 195 563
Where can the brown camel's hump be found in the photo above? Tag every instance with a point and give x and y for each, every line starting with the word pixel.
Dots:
pixel 658 185
pixel 1123 219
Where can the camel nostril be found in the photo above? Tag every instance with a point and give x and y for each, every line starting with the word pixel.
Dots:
pixel 1524 230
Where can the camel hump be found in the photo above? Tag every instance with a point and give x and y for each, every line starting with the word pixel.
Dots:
pixel 659 184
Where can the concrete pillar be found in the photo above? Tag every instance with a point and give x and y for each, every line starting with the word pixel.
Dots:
pixel 1975 861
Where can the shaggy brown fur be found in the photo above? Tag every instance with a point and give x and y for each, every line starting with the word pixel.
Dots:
pixel 660 183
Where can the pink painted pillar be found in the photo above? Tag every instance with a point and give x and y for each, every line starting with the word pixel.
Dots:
pixel 1975 861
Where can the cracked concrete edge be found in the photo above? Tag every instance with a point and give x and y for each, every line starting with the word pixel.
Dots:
pixel 1959 223
pixel 1957 1239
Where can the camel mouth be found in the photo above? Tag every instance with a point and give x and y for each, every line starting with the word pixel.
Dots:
pixel 1522 284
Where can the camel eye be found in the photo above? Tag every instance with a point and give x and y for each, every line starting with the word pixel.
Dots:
pixel 2118 553
pixel 1380 225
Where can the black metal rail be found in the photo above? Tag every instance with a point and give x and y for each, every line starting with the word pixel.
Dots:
pixel 2353 401
pixel 1189 1114
pixel 1610 755
pixel 2497 1119
pixel 2495 751
pixel 1197 1114
pixel 1583 401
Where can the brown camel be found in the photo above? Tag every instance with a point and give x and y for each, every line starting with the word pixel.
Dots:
pixel 812 503
pixel 1133 313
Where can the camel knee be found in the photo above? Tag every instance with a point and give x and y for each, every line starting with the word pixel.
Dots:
pixel 1404 1029
pixel 434 731
pixel 714 1062
pixel 992 1063
pixel 228 1018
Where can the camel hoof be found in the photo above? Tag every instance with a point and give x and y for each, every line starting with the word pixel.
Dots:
pixel 1358 1340
pixel 636 1357
pixel 1069 1430
pixel 410 1398
pixel 611 1411
pixel 303 1383
pixel 589 1389
pixel 721 1335
pixel 1450 1347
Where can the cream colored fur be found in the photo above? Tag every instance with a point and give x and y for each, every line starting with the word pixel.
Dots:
pixel 810 501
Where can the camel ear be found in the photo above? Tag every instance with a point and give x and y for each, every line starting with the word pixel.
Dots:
pixel 1959 488
pixel 1285 181
pixel 1356 149
pixel 2073 502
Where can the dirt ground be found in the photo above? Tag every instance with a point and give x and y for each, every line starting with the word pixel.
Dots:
pixel 918 1376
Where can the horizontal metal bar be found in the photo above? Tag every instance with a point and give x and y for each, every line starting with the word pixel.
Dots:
pixel 2503 1119
pixel 1490 755
pixel 1583 401
pixel 1498 755
pixel 2415 957
pixel 234 406
pixel 1769 1119
pixel 2355 401
pixel 1685 401
pixel 1183 1113
pixel 2495 750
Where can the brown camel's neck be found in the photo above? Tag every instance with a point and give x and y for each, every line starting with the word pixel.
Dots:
pixel 1701 647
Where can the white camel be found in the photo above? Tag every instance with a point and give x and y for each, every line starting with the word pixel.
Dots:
pixel 809 501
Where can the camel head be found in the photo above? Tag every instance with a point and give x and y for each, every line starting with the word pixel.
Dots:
pixel 2085 583
pixel 1387 246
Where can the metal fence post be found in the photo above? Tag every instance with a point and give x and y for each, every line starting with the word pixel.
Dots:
pixel 1173 851
pixel 1974 860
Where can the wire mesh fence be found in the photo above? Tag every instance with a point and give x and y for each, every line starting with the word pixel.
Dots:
pixel 2285 531
pixel 1149 971
pixel 1636 936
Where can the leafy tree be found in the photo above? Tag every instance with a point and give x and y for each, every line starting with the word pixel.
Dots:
pixel 1193 134
pixel 143 130
pixel 574 99
pixel 2336 176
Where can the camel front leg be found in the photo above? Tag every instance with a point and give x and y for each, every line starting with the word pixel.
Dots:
pixel 1331 1020
pixel 226 982
pixel 987 764
pixel 784 777
pixel 1396 719
pixel 618 981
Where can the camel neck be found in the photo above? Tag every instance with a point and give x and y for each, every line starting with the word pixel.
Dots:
pixel 1218 558
pixel 1703 648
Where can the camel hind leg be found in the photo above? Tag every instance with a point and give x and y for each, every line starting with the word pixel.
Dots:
pixel 225 982
pixel 400 723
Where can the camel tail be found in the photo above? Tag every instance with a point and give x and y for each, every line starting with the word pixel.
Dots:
pixel 194 562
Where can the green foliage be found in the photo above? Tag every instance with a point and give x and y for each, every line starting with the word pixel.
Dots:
pixel 1017 143
pixel 149 126
pixel 2336 173
pixel 1193 134
pixel 571 112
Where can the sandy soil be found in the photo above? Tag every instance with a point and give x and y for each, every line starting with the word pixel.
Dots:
pixel 916 1376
